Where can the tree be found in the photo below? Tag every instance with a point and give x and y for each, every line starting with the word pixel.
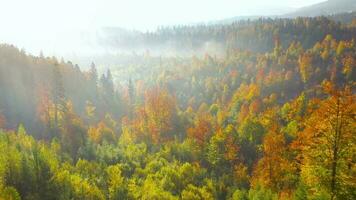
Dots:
pixel 305 66
pixel 73 186
pixel 101 133
pixel 244 112
pixel 193 192
pixel 325 55
pixel 202 129
pixel 159 110
pixel 329 143
pixel 340 48
pixel 272 168
pixel 72 131
pixel 349 63
pixel 93 82
pixel 259 192
pixel 108 96
pixel 239 195
pixel 117 188
pixel 255 106
pixel 90 112
pixel 252 130
pixel 93 75
pixel 45 108
pixel 131 97
pixel 58 97
pixel 215 152
pixel 107 84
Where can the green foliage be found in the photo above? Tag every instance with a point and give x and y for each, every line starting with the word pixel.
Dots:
pixel 117 186
pixel 301 192
pixel 260 193
pixel 252 130
pixel 185 127
pixel 195 193
pixel 9 193
pixel 215 151
pixel 240 195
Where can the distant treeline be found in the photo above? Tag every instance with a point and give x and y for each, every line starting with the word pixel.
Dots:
pixel 254 35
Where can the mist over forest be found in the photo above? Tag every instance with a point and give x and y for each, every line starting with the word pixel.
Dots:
pixel 251 107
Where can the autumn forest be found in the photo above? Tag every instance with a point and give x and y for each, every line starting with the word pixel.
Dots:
pixel 270 117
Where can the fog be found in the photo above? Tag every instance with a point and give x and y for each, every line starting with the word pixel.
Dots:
pixel 76 29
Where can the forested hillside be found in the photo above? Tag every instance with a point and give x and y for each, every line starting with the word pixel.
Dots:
pixel 273 117
pixel 254 35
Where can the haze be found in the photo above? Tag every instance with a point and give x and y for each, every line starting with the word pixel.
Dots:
pixel 67 27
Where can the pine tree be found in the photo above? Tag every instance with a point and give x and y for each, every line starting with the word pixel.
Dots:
pixel 58 96
pixel 131 100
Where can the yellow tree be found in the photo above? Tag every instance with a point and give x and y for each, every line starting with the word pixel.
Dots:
pixel 101 132
pixel 305 66
pixel 328 144
pixel 272 169
pixel 159 110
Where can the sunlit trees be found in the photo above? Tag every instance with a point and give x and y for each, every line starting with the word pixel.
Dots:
pixel 117 187
pixel 193 192
pixel 329 144
pixel 27 165
pixel 251 124
pixel 159 112
pixel 76 187
pixel 272 170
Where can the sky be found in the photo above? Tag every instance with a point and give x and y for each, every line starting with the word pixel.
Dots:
pixel 63 26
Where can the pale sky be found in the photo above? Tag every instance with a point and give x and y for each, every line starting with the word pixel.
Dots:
pixel 52 24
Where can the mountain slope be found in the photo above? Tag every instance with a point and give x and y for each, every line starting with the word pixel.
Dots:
pixel 325 8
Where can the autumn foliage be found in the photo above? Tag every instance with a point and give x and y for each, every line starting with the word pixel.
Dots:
pixel 273 117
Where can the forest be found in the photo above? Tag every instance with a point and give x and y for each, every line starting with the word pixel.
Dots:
pixel 271 118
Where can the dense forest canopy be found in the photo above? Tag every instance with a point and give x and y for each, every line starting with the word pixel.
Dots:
pixel 272 117
pixel 255 35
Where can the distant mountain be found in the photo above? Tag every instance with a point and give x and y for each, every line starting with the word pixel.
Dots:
pixel 240 18
pixel 266 12
pixel 329 7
